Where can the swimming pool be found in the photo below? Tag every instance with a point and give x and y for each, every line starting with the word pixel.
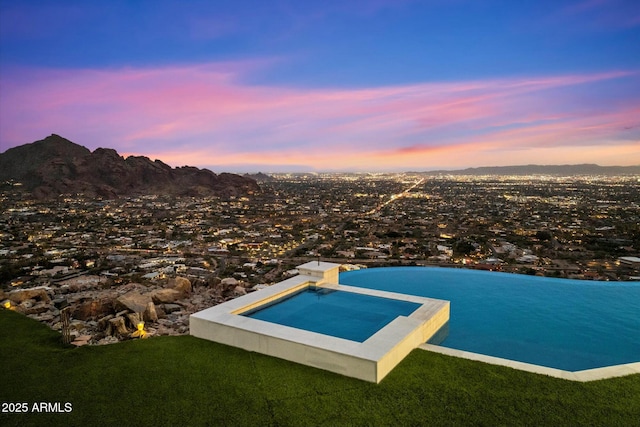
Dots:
pixel 347 315
pixel 392 333
pixel 565 324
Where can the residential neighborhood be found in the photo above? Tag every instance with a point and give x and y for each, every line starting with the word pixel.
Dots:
pixel 584 228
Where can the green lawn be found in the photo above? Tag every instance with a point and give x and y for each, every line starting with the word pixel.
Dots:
pixel 184 381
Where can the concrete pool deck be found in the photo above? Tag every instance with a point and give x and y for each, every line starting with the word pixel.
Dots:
pixel 370 360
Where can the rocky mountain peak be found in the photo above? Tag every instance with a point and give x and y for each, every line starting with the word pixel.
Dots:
pixel 55 166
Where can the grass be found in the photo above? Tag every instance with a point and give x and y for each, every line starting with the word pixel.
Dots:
pixel 187 381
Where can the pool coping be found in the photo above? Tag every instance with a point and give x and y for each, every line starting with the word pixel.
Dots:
pixel 370 360
pixel 586 375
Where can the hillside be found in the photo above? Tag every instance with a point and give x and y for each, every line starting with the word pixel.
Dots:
pixel 55 166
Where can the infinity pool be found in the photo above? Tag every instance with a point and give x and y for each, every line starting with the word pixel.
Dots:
pixel 565 324
pixel 347 315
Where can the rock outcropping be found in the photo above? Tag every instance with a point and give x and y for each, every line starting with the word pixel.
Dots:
pixel 55 166
pixel 101 313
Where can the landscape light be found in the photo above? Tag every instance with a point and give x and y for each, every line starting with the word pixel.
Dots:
pixel 140 332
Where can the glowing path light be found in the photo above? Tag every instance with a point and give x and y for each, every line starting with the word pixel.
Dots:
pixel 140 332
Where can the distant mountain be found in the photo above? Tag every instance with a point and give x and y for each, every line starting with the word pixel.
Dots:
pixel 260 177
pixel 55 166
pixel 559 170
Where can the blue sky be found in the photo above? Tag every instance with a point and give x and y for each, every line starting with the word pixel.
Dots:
pixel 327 85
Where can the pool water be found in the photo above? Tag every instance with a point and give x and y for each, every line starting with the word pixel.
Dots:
pixel 565 324
pixel 341 314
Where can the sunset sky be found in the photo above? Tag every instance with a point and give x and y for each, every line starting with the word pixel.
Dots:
pixel 347 85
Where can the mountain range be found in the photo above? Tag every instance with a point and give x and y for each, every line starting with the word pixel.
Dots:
pixel 558 170
pixel 55 166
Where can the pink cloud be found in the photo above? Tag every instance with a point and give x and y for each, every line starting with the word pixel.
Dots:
pixel 601 14
pixel 204 115
pixel 570 140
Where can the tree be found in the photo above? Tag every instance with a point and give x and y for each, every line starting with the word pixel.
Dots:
pixel 544 235
pixel 463 248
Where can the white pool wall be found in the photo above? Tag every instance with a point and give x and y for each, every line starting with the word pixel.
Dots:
pixel 371 360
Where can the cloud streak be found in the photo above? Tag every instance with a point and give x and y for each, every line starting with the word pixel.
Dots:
pixel 205 115
pixel 602 14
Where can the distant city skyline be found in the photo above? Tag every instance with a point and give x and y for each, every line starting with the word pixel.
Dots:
pixel 327 86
